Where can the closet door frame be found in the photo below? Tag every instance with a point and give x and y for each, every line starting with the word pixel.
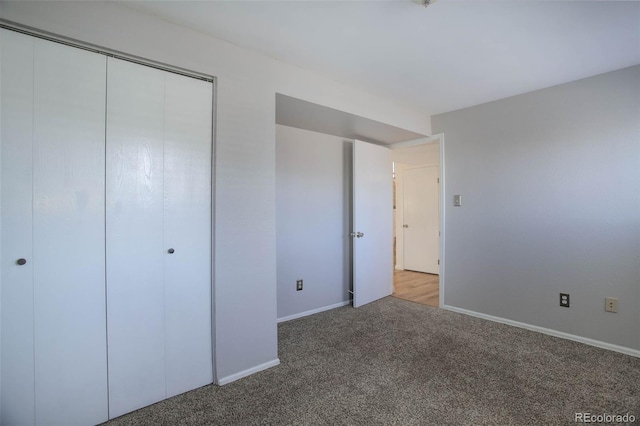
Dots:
pixel 34 32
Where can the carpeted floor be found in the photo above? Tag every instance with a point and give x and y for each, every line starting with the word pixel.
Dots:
pixel 400 363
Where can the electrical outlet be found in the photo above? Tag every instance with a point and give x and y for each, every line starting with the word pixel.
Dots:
pixel 611 304
pixel 298 285
pixel 564 300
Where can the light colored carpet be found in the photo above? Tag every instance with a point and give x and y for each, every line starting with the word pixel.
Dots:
pixel 400 363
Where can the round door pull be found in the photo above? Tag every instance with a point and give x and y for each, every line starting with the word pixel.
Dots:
pixel 21 261
pixel 171 251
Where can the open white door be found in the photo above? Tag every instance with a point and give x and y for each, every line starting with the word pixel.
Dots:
pixel 372 223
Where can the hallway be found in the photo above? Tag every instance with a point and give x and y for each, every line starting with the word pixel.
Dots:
pixel 417 287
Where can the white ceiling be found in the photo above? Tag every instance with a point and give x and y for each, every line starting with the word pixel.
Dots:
pixel 453 54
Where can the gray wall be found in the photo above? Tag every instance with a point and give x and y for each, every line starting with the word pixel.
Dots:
pixel 551 203
pixel 313 196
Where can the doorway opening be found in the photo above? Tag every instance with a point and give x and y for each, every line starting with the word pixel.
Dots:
pixel 315 206
pixel 417 224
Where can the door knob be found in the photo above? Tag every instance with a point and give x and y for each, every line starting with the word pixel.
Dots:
pixel 21 261
pixel 352 234
pixel 405 226
pixel 359 234
pixel 170 251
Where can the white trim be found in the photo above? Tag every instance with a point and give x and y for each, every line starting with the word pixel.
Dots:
pixel 248 372
pixel 398 218
pixel 314 311
pixel 442 269
pixel 548 331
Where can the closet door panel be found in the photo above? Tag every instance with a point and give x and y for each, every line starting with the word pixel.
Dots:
pixel 187 229
pixel 135 293
pixel 16 282
pixel 68 235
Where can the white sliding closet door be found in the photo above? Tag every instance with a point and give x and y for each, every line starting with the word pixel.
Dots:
pixel 54 366
pixel 16 218
pixel 187 230
pixel 135 293
pixel 158 234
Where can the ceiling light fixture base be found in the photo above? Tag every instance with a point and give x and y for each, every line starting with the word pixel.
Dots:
pixel 424 3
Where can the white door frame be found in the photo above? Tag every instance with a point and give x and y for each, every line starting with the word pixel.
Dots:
pixel 440 139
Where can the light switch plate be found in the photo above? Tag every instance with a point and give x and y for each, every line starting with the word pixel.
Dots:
pixel 457 200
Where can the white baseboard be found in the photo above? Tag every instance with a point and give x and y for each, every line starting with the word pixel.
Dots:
pixel 550 332
pixel 399 268
pixel 314 311
pixel 248 372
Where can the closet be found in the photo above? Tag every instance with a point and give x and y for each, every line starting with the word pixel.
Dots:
pixel 158 181
pixel 105 233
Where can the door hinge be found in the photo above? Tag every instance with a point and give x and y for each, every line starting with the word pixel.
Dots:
pixel 438 180
pixel 438 261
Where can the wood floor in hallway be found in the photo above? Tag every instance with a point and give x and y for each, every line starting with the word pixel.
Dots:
pixel 417 287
